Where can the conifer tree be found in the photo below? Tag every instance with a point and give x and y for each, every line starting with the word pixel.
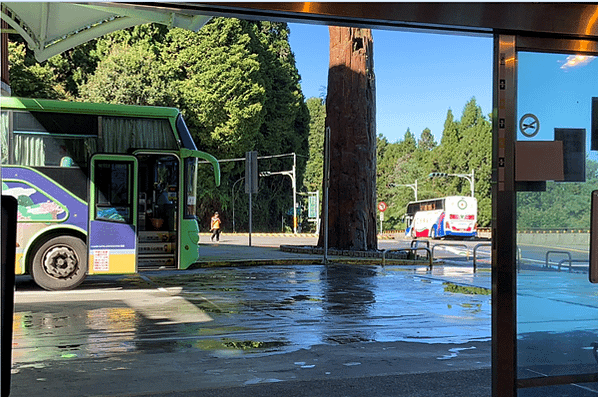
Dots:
pixel 426 141
pixel 315 163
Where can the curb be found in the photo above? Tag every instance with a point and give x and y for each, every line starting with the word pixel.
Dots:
pixel 254 262
pixel 314 261
pixel 305 235
pixel 361 256
pixel 283 235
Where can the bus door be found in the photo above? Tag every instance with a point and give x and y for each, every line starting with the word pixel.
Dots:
pixel 113 214
pixel 158 216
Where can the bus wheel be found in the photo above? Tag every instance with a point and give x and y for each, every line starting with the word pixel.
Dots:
pixel 60 263
pixel 433 233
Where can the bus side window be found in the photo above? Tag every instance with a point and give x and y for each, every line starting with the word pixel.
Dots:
pixel 4 136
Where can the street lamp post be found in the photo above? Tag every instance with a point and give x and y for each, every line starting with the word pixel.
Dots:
pixel 469 177
pixel 412 186
pixel 290 174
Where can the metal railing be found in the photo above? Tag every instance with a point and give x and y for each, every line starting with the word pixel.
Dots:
pixel 431 253
pixel 571 261
pixel 451 245
pixel 547 264
pixel 415 243
pixel 475 250
pixel 412 250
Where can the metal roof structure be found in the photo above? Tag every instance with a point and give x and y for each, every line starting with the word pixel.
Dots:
pixel 54 27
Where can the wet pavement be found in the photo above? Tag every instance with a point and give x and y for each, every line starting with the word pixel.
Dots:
pixel 292 327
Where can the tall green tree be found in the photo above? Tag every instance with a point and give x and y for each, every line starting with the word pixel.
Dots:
pixel 449 145
pixel 29 78
pixel 475 147
pixel 128 74
pixel 387 155
pixel 315 163
pixel 426 141
pixel 220 87
pixel 465 146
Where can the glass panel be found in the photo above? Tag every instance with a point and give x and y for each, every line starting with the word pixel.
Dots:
pixel 121 134
pixel 190 187
pixel 56 123
pixel 557 309
pixel 4 136
pixel 167 175
pixel 49 151
pixel 113 192
pixel 54 139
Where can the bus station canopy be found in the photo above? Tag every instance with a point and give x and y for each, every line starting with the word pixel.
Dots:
pixel 54 27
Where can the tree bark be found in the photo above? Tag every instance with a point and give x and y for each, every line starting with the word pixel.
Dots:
pixel 351 117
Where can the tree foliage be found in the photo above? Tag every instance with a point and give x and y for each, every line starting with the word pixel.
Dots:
pixel 564 205
pixel 238 87
pixel 465 146
pixel 235 81
pixel 315 163
pixel 29 78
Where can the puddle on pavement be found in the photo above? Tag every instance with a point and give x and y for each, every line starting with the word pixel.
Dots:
pixel 260 309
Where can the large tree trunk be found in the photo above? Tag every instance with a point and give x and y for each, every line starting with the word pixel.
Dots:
pixel 351 115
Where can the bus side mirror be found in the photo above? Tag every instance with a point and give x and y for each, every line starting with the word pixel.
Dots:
pixel 594 239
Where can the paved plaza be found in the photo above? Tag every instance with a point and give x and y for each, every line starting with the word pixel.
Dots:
pixel 258 321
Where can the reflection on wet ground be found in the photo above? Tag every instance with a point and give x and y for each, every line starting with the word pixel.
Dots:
pixel 263 310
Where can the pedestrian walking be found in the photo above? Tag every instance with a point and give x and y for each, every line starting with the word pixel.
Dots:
pixel 215 227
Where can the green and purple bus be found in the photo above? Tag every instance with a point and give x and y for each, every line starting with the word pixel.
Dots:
pixel 101 188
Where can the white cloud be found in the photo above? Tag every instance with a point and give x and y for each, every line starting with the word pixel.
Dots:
pixel 576 61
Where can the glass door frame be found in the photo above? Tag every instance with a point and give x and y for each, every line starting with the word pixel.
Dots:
pixel 504 244
pixel 112 244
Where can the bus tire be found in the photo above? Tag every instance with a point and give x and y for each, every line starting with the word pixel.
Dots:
pixel 60 263
pixel 433 233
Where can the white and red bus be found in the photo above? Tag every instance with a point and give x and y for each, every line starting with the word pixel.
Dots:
pixel 441 217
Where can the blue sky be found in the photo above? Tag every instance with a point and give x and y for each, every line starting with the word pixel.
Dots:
pixel 419 76
pixel 559 96
pixel 558 90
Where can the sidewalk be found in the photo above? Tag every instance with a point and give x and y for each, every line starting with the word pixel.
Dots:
pixel 279 249
pixel 286 247
pixel 235 249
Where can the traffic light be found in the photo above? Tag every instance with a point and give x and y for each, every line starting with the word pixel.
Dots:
pixel 437 174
